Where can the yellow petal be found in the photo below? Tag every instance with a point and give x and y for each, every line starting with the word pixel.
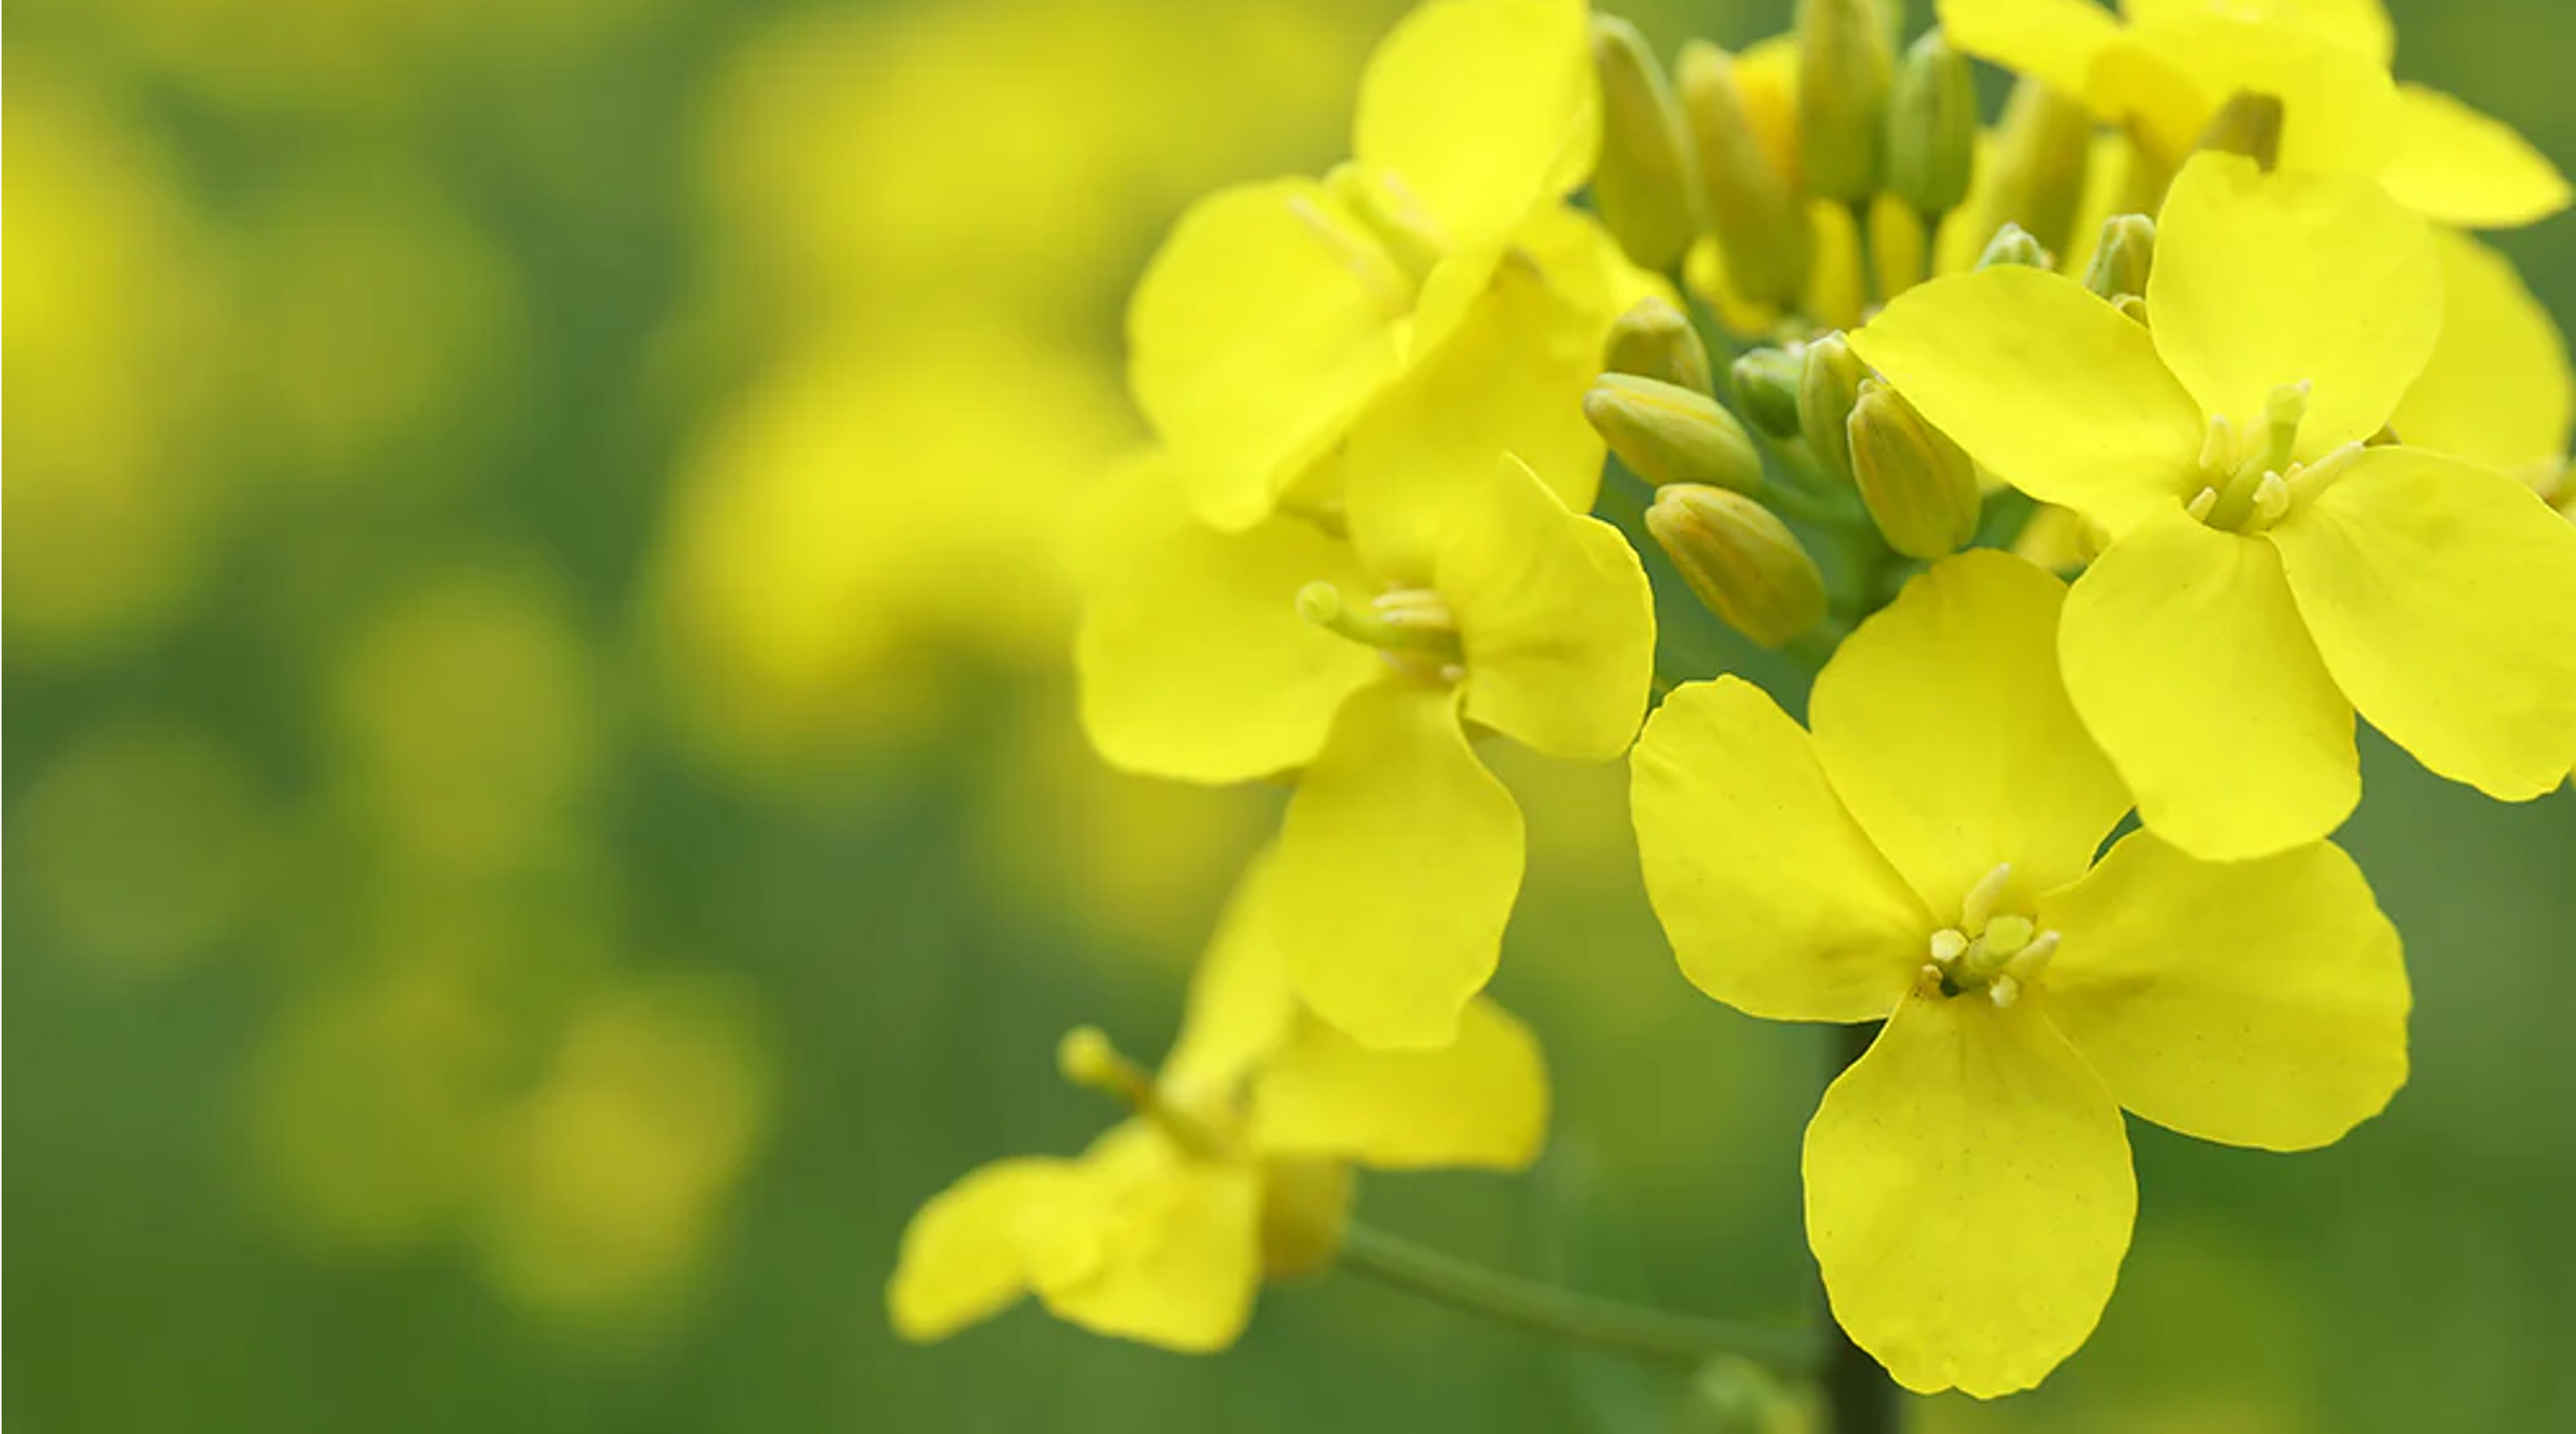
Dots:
pixel 2359 25
pixel 2457 166
pixel 1259 328
pixel 1969 1197
pixel 1481 1100
pixel 1240 1006
pixel 961 1259
pixel 1555 615
pixel 1945 728
pixel 2498 390
pixel 2443 598
pixel 2055 40
pixel 2256 1003
pixel 1396 869
pixel 1194 662
pixel 1773 897
pixel 2046 385
pixel 2265 280
pixel 2189 663
pixel 1149 1243
pixel 2164 82
pixel 1482 109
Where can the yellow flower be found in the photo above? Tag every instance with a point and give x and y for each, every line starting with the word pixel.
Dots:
pixel 2498 389
pixel 1275 312
pixel 2265 575
pixel 2165 74
pixel 1458 595
pixel 1236 1163
pixel 1926 855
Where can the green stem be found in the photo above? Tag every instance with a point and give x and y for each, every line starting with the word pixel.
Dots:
pixel 1562 1314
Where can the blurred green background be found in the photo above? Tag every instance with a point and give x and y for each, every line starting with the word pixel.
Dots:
pixel 544 816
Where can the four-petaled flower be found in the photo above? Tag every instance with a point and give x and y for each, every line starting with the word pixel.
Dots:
pixel 1926 855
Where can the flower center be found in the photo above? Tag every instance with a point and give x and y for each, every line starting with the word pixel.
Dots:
pixel 1088 1060
pixel 1997 952
pixel 1412 628
pixel 2251 481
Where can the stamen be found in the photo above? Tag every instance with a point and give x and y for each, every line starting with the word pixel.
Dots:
pixel 2218 446
pixel 1980 904
pixel 2287 409
pixel 2202 503
pixel 2271 500
pixel 2003 991
pixel 1948 944
pixel 2031 961
pixel 1412 622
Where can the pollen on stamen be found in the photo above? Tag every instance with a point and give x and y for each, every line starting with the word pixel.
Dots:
pixel 2202 504
pixel 1979 907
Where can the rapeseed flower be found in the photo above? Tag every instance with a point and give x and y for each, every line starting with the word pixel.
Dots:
pixel 2266 573
pixel 1235 1164
pixel 2166 72
pixel 1927 854
pixel 1275 313
pixel 1457 595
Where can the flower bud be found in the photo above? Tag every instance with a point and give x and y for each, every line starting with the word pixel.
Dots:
pixel 1920 488
pixel 2043 147
pixel 1669 434
pixel 1741 560
pixel 1646 183
pixel 2121 260
pixel 1827 389
pixel 2248 124
pixel 1844 71
pixel 1932 127
pixel 2013 244
pixel 1655 340
pixel 1758 218
pixel 1766 388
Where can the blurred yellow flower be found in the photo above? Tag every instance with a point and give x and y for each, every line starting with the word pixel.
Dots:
pixel 2266 573
pixel 1234 1166
pixel 1464 593
pixel 1927 856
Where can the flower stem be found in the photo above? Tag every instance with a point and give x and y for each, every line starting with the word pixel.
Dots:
pixel 1859 1397
pixel 1562 1314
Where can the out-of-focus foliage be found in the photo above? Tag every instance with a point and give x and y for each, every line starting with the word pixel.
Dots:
pixel 544 815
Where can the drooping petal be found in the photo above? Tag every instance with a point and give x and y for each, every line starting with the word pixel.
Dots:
pixel 961 1260
pixel 1240 1006
pixel 2054 40
pixel 1553 610
pixel 1396 869
pixel 2046 385
pixel 1150 1243
pixel 1969 1197
pixel 2361 26
pixel 2498 390
pixel 2266 280
pixel 1945 728
pixel 2454 165
pixel 2256 1003
pixel 1482 110
pixel 1482 1100
pixel 1262 324
pixel 1195 664
pixel 2187 660
pixel 1772 896
pixel 2443 598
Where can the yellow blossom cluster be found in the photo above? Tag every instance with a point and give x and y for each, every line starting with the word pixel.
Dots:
pixel 2102 464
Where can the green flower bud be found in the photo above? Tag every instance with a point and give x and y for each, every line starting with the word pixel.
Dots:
pixel 1932 127
pixel 1655 340
pixel 1844 70
pixel 1920 488
pixel 1741 560
pixel 1669 434
pixel 2043 147
pixel 1766 388
pixel 1827 389
pixel 2248 124
pixel 1646 183
pixel 1759 221
pixel 2123 257
pixel 2013 244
